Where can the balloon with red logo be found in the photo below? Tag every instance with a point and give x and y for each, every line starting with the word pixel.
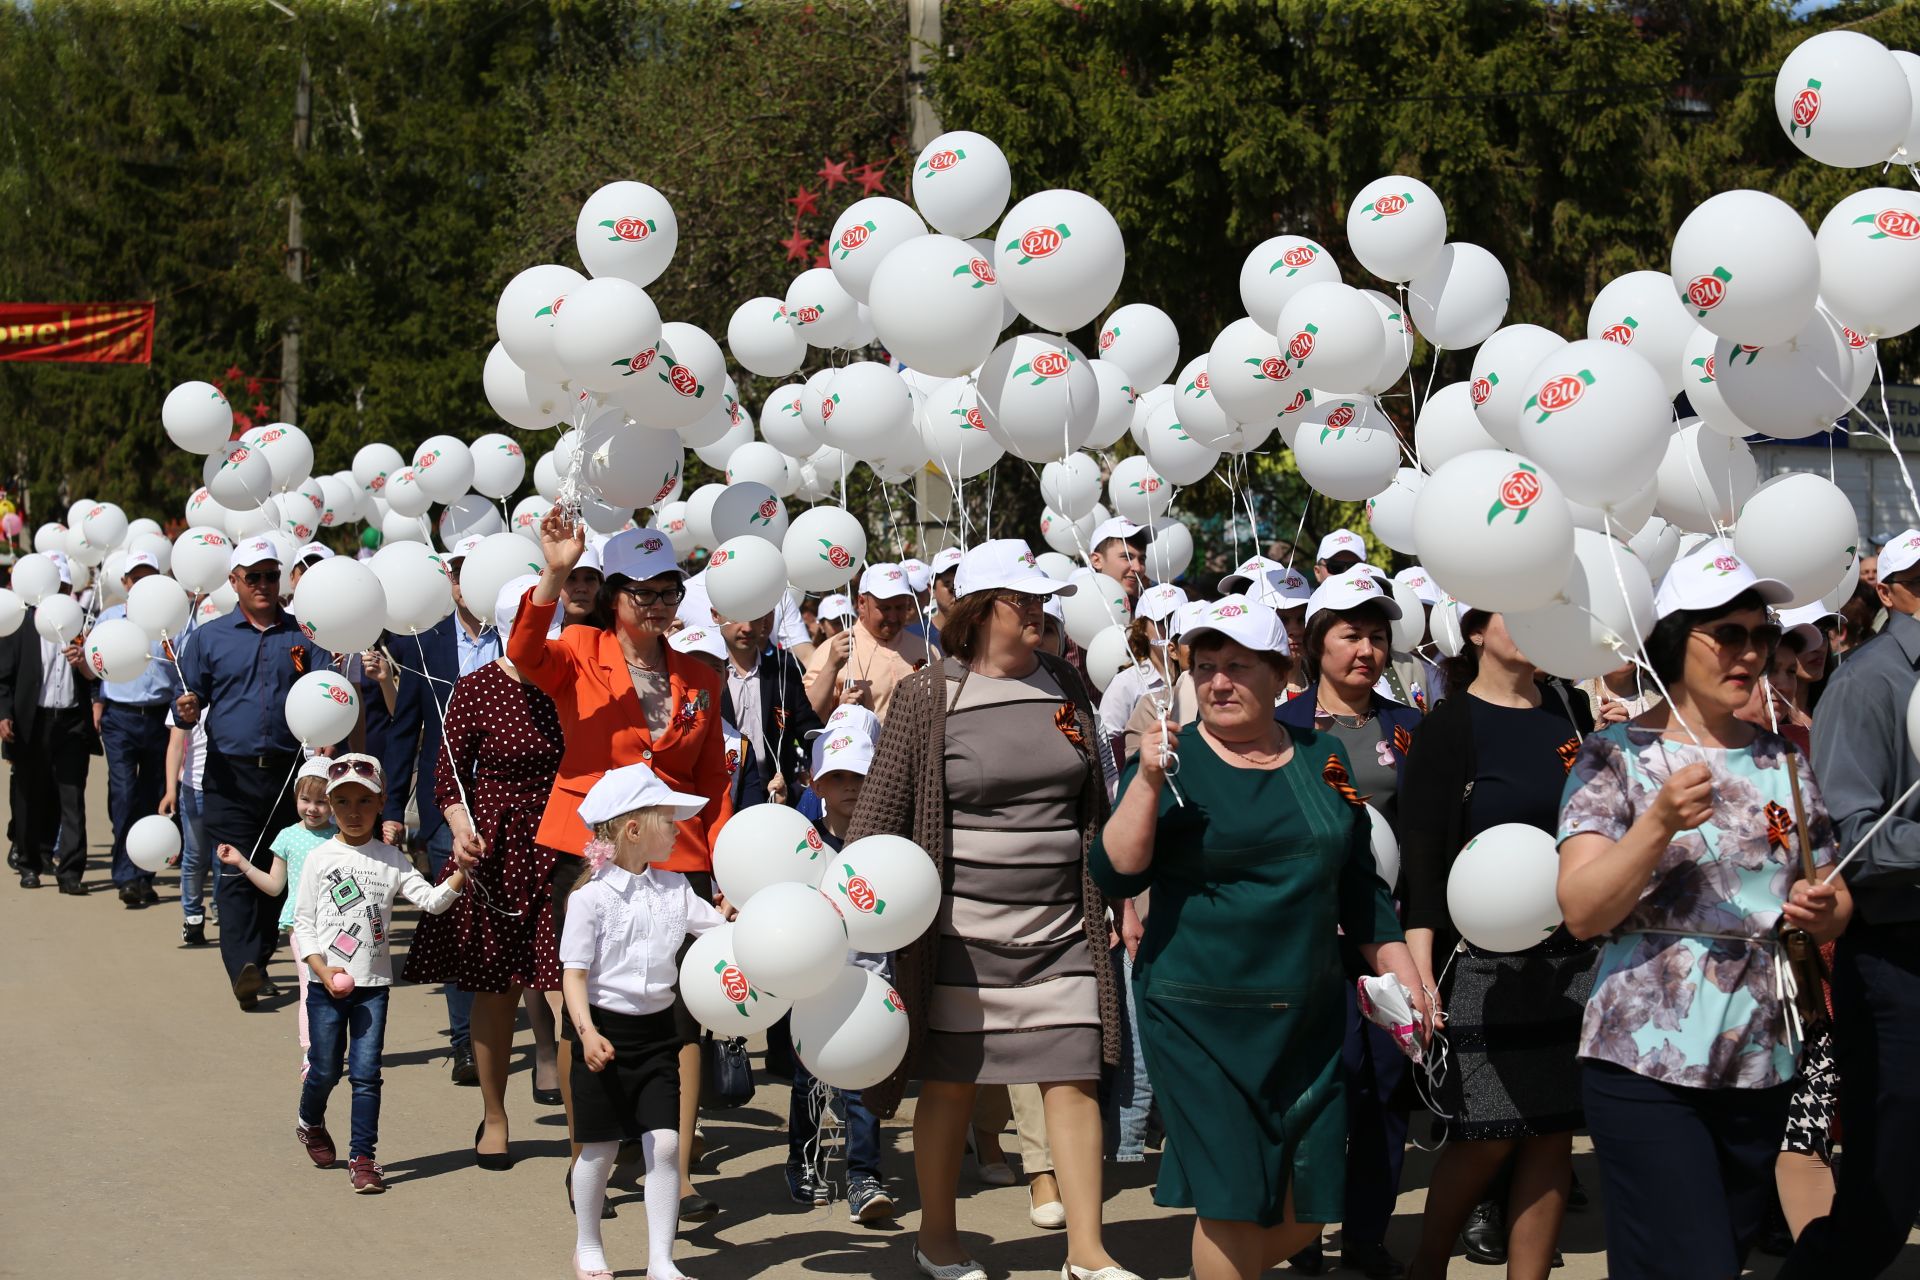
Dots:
pixel 1200 410
pixel 864 409
pixel 954 431
pixel 373 463
pixel 852 1034
pixel 626 229
pixel 1638 311
pixel 887 889
pixel 749 509
pixel 1843 99
pixel 1331 336
pixel 1136 491
pixel 763 340
pixel 1494 531
pixel 791 938
pixel 630 466
pixel 1460 298
pixel 1069 537
pixel 1703 478
pixel 781 424
pixel 238 476
pixel 1246 373
pixel 1038 397
pixel 200 559
pixel 197 417
pixel 1791 390
pixel 607 335
pixel 820 310
pixel 1869 247
pixel 1346 448
pixel 1744 266
pixel 404 496
pixel 288 452
pixel 1448 427
pixel 865 233
pixel 718 992
pixel 322 708
pixel 823 547
pixel 1396 226
pixel 1500 367
pixel 415 582
pixel 936 305
pixel 1117 399
pixel 1173 450
pixel 1060 256
pixel 525 317
pixel 1276 270
pixel 499 465
pixel 1598 417
pixel 683 384
pixel 1141 339
pixel 746 576
pixel 116 651
pixel 1801 529
pixel 766 844
pixel 961 182
pixel 443 467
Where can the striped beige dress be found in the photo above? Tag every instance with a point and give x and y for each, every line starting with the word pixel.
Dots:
pixel 1015 1000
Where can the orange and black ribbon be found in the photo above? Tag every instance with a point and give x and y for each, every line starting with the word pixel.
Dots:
pixel 298 653
pixel 1779 826
pixel 1068 723
pixel 1336 777
pixel 1402 741
pixel 1568 751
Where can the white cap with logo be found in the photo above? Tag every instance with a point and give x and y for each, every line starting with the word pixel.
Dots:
pixel 634 786
pixel 1157 602
pixel 1116 527
pixel 1360 585
pixel 1417 580
pixel 885 581
pixel 259 550
pixel 707 640
pixel 1252 573
pixel 1286 589
pixel 639 554
pixel 919 574
pixel 1005 564
pixel 1341 542
pixel 1712 576
pixel 143 560
pixel 836 608
pixel 944 559
pixel 1239 619
pixel 1901 552
pixel 461 549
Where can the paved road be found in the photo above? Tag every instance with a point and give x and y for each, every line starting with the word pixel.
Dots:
pixel 149 1132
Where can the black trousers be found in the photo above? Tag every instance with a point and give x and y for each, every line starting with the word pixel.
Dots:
pixel 1876 1038
pixel 245 802
pixel 49 793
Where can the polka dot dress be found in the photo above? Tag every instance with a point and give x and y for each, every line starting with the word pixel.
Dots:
pixel 505 739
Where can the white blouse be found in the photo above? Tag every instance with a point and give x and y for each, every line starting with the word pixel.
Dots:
pixel 625 930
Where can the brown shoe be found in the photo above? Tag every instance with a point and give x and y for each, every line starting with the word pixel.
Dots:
pixel 246 985
pixel 367 1176
pixel 318 1142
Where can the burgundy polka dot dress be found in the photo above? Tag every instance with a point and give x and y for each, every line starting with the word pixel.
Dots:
pixel 504 738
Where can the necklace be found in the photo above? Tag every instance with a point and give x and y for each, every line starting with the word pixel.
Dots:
pixel 1351 722
pixel 1253 756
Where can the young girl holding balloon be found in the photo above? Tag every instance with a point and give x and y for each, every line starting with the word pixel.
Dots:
pixel 619 954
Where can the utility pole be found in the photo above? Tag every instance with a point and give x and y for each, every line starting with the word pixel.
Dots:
pixel 932 493
pixel 296 253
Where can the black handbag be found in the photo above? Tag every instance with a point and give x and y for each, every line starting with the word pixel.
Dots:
pixel 726 1075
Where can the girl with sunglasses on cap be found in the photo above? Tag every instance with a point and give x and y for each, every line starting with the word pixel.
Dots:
pixel 1682 837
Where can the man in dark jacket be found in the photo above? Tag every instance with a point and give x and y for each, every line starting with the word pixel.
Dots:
pixel 46 731
pixel 766 700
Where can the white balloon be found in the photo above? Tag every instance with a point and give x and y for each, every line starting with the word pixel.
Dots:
pixel 1390 512
pixel 244 522
pixel 1745 266
pixel 626 229
pixel 1459 298
pixel 1597 417
pixel 763 340
pixel 1172 449
pixel 1790 391
pixel 1107 656
pixel 700 515
pixel 767 844
pixel 415 583
pixel 1500 368
pixel 238 475
pixel 322 708
pixel 200 558
pixel 1593 628
pixel 936 305
pixel 1494 531
pixel 405 496
pixel 1657 544
pixel 955 433
pixel 59 619
pixel 1276 270
pixel 546 478
pixel 159 606
pixel 50 537
pixel 1071 486
pixel 117 650
pixel 527 515
pixel 718 992
pixel 339 502
pixel 1639 311
pixel 823 548
pixel 1169 549
pixel 521 400
pixel 790 939
pixel 1137 492
pixel 886 888
pixel 1331 335
pixel 1061 256
pixel 1869 247
pixel 1055 565
pixel 104 525
pixel 1101 602
pixel 1396 226
pixel 1503 890
pixel 1144 403
pixel 713 426
pixel 746 577
pixel 443 468
pixel 1115 414
pixel 219 602
pixel 1067 537
pixel 864 233
pixel 468 516
pixel 341 605
pixel 781 424
pixel 683 383
pixel 1704 478
pixel 1910 67
pixel 630 465
pixel 1801 529
pixel 1699 378
pixel 152 842
pixel 865 410
pixel 1628 513
pixel 604 518
pixel 1141 339
pixel 288 452
pixel 396 527
pixel 719 454
pixel 1038 397
pixel 1448 427
pixel 853 1034
pixel 820 309
pixel 749 509
pixel 1346 449
pixel 373 463
pixel 498 560
pixel 499 465
pixel 961 182
pixel 1397 335
pixel 1246 373
pixel 197 417
pixel 525 316
pixel 1843 99
pixel 201 509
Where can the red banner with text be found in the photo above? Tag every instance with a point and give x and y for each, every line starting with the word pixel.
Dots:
pixel 77 332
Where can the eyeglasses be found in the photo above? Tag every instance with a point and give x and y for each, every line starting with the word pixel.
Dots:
pixel 1731 637
pixel 364 768
pixel 646 596
pixel 1021 599
pixel 262 578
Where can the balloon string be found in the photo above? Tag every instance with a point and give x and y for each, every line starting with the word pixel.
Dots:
pixel 298 761
pixel 1293 548
pixel 1643 659
pixel 1873 830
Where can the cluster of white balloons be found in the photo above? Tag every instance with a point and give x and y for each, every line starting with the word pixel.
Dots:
pixel 803 907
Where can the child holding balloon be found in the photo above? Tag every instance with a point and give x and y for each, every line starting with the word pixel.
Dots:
pixel 619 954
pixel 341 928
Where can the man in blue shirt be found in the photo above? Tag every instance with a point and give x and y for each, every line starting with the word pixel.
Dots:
pixel 237 670
pixel 131 716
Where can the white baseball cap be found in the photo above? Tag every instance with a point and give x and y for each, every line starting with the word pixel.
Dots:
pixel 1116 527
pixel 314 768
pixel 1286 589
pixel 1252 572
pixel 1055 610
pixel 1359 585
pixel 634 786
pixel 1246 622
pixel 639 554
pixel 1417 580
pixel 844 749
pixel 919 575
pixel 461 549
pixel 143 560
pixel 254 551
pixel 1341 542
pixel 707 640
pixel 1157 602
pixel 313 553
pixel 1185 617
pixel 1806 620
pixel 355 769
pixel 836 608
pixel 944 559
pixel 885 581
pixel 1901 552
pixel 507 606
pixel 1005 564
pixel 849 718
pixel 1712 576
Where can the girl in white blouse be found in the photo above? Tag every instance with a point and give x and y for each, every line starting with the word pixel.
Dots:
pixel 620 959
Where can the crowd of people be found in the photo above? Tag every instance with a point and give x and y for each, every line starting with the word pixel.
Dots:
pixel 1166 915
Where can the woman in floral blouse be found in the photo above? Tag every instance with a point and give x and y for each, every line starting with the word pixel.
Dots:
pixel 1680 841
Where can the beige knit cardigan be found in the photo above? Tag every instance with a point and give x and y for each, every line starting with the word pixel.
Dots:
pixel 906 795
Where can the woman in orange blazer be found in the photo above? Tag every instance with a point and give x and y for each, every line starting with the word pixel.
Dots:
pixel 626 698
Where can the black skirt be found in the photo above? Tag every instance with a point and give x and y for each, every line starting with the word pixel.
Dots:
pixel 639 1090
pixel 1513 1026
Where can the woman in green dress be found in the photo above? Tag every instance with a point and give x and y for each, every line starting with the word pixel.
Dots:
pixel 1255 849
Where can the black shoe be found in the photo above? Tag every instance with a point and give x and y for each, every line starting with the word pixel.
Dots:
pixel 803 1187
pixel 130 897
pixel 268 987
pixel 1310 1261
pixel 246 986
pixel 148 897
pixel 194 933
pixel 13 857
pixel 29 879
pixel 495 1161
pixel 465 1069
pixel 72 885
pixel 697 1208
pixel 546 1097
pixel 1485 1235
pixel 1371 1260
pixel 1577 1198
pixel 1775 1240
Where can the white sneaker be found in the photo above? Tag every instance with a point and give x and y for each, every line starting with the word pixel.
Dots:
pixel 968 1270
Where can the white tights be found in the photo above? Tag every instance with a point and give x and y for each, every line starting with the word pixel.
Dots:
pixel 661 1147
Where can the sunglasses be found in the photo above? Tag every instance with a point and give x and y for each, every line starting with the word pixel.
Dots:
pixel 260 579
pixel 1731 637
pixel 360 768
pixel 645 596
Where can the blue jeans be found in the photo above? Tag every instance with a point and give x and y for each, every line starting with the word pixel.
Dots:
pixel 196 855
pixel 350 1028
pixel 135 740
pixel 1126 1095
pixel 863 1127
pixel 459 1003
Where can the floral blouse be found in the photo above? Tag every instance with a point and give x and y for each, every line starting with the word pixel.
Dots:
pixel 1678 995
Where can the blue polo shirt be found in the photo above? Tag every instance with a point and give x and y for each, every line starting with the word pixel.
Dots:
pixel 241 674
pixel 475 651
pixel 156 686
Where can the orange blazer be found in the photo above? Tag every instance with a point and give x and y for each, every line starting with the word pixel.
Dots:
pixel 585 674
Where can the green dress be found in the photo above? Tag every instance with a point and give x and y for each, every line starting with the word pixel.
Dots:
pixel 1238 983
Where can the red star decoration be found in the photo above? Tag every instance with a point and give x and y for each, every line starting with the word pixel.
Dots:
pixel 234 373
pixel 241 422
pixel 832 172
pixel 871 179
pixel 796 246
pixel 253 386
pixel 262 409
pixel 805 202
pixel 822 263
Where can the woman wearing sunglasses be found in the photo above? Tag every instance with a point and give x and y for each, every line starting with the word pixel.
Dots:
pixel 625 698
pixel 1681 839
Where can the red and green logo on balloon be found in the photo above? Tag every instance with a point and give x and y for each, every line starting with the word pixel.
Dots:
pixel 631 229
pixel 1559 394
pixel 1483 388
pixel 811 845
pixel 1708 291
pixel 736 987
pixel 1388 205
pixel 1901 224
pixel 894 1003
pixel 765 512
pixel 1621 333
pixel 638 362
pixel 1294 259
pixel 682 379
pixel 941 161
pixel 338 692
pixel 1272 369
pixel 1048 364
pixel 835 554
pixel 1518 492
pixel 1039 242
pixel 1199 387
pixel 1300 346
pixel 980 269
pixel 1806 108
pixel 860 894
pixel 853 237
pixel 1338 421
